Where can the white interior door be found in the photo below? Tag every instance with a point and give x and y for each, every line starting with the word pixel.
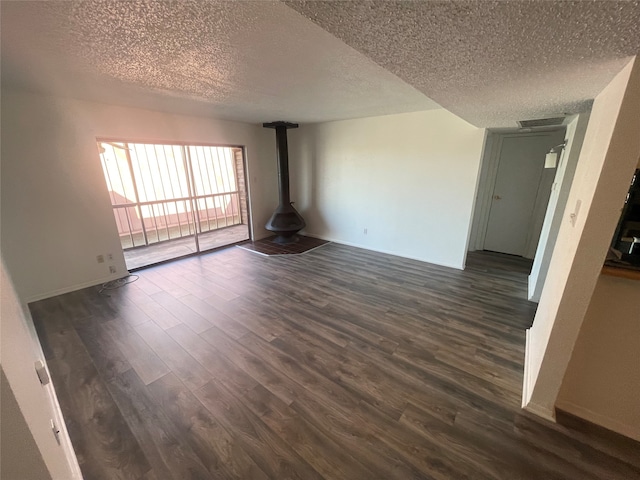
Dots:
pixel 522 187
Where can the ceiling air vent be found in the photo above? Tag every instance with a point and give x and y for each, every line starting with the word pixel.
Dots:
pixel 541 122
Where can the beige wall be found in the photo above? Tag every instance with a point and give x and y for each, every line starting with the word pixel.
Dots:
pixel 56 213
pixel 408 179
pixel 602 383
pixel 574 136
pixel 19 350
pixel 608 158
pixel 19 454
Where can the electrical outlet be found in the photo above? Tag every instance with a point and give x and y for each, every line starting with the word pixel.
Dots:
pixel 55 430
pixel 100 258
pixel 112 269
pixel 110 257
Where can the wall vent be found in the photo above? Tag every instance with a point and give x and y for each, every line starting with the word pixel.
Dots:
pixel 541 122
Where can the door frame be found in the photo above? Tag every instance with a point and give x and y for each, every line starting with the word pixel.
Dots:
pixel 487 183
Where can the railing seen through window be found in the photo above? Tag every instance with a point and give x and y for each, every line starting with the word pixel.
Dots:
pixel 165 192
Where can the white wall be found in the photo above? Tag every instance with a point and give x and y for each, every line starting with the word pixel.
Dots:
pixel 607 161
pixel 602 383
pixel 56 213
pixel 408 179
pixel 16 442
pixel 574 136
pixel 37 403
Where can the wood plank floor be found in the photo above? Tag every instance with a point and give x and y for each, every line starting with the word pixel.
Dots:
pixel 338 364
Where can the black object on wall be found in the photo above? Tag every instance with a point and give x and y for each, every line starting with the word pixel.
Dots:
pixel 285 221
pixel 626 240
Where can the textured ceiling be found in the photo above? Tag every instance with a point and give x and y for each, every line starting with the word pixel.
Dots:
pixel 248 61
pixel 491 62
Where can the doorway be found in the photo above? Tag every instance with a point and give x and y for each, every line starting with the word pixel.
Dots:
pixel 515 193
pixel 173 200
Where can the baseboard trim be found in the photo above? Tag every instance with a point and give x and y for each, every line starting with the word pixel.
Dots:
pixel 73 288
pixel 379 250
pixel 531 290
pixel 527 404
pixel 525 376
pixel 599 420
pixel 540 411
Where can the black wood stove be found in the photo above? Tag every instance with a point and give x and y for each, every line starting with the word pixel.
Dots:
pixel 285 221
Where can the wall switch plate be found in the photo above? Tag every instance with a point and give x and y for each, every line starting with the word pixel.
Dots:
pixel 574 216
pixel 43 375
pixel 100 258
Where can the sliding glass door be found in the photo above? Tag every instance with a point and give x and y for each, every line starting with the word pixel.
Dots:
pixel 173 200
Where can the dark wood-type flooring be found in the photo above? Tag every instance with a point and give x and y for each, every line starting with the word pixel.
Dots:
pixel 337 364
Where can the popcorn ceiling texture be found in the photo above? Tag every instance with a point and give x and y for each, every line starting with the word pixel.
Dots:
pixel 249 61
pixel 491 62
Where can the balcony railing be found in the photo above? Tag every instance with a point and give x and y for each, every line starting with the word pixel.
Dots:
pixel 145 223
pixel 171 177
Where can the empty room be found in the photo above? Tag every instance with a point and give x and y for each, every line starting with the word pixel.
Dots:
pixel 320 240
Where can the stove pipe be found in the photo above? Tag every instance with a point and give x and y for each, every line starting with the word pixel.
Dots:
pixel 285 221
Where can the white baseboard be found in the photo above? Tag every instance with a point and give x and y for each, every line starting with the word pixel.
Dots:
pixel 527 404
pixel 379 250
pixel 525 377
pixel 531 294
pixel 73 288
pixel 631 431
pixel 540 411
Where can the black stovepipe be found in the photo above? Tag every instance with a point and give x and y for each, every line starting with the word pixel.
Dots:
pixel 285 221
